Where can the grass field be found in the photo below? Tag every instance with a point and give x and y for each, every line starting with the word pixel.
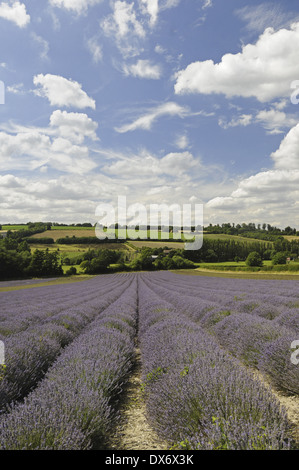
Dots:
pixel 229 264
pixel 237 238
pixel 5 228
pixel 239 274
pixel 73 251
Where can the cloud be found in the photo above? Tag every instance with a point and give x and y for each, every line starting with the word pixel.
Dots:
pixel 146 166
pixel 160 49
pixel 32 150
pixel 76 6
pixel 274 120
pixel 182 142
pixel 123 26
pixel 143 69
pixel 74 126
pixel 273 189
pixel 44 45
pixel 152 8
pixel 95 49
pixel 268 195
pixel 62 92
pixel 265 15
pixel 59 146
pixel 165 4
pixel 243 120
pixel 207 4
pixel 130 23
pixel 15 12
pixel 146 121
pixel 263 70
pixel 61 199
pixel 16 89
pixel 287 156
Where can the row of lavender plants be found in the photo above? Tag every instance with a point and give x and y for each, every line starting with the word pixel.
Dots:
pixel 24 308
pixel 31 351
pixel 74 406
pixel 255 339
pixel 273 300
pixel 197 395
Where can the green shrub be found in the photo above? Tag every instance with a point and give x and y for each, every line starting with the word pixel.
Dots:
pixel 254 259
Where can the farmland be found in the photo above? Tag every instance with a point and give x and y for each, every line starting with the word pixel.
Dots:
pixel 203 362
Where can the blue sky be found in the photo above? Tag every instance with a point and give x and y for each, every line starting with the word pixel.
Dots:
pixel 163 101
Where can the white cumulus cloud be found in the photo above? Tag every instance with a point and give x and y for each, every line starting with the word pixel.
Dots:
pixel 270 194
pixel 143 69
pixel 15 12
pixel 263 70
pixel 62 92
pixel 287 156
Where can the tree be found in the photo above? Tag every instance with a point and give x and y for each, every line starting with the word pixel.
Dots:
pixel 279 258
pixel 72 271
pixel 254 259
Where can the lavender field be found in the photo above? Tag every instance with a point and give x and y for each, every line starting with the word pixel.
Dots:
pixel 214 354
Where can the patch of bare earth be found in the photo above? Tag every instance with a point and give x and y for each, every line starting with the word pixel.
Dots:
pixel 133 431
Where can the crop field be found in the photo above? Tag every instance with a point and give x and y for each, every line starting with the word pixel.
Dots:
pixel 67 232
pixel 211 358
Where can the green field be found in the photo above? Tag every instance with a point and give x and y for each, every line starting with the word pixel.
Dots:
pixel 237 238
pixel 239 274
pixel 229 264
pixel 14 227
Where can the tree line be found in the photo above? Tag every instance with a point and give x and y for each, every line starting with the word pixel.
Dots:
pixel 17 261
pixel 251 230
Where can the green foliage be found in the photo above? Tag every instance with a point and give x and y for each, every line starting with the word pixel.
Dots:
pixel 32 229
pixel 44 263
pixel 72 271
pixel 218 250
pixel 85 241
pixel 41 241
pixel 254 259
pixel 158 259
pixel 98 261
pixel 279 258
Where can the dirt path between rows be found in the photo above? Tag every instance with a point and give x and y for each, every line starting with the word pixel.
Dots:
pixel 133 431
pixel 289 402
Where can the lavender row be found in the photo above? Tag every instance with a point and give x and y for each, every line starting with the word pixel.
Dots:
pixel 73 408
pixel 251 338
pixel 264 298
pixel 24 308
pixel 197 395
pixel 31 352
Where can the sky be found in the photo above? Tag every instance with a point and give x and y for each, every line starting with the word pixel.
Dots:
pixel 161 101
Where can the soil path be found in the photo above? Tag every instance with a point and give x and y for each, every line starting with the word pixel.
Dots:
pixel 133 431
pixel 289 402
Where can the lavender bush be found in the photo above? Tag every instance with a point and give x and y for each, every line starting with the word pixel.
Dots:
pixel 72 407
pixel 244 327
pixel 30 352
pixel 276 363
pixel 197 396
